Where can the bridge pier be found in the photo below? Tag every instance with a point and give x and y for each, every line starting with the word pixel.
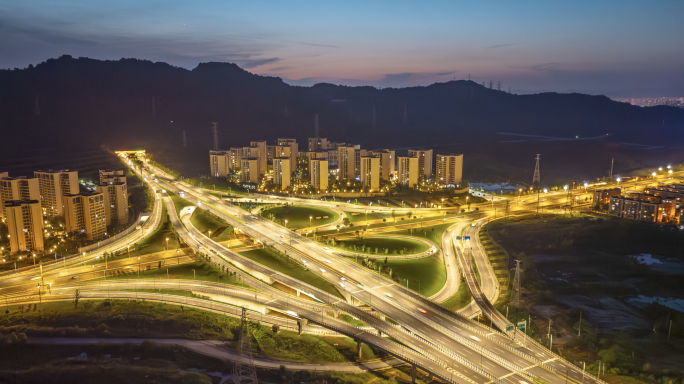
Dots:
pixel 358 346
pixel 300 325
pixel 413 373
pixel 379 333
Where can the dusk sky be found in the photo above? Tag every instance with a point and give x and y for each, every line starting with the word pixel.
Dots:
pixel 617 48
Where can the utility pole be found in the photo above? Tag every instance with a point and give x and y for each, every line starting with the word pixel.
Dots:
pixel 537 178
pixel 515 298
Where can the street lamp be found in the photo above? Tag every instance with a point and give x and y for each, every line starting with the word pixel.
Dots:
pixel 585 186
pixel 310 217
pixel 286 224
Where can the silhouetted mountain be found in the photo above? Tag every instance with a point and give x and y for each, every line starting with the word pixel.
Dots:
pixel 69 102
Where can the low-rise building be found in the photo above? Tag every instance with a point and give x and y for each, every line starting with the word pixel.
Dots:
pixel 642 208
pixel 24 222
pixel 85 213
pixel 602 197
pixel 116 175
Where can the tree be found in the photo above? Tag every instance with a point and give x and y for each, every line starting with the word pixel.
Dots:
pixel 385 258
pixel 77 295
pixel 345 221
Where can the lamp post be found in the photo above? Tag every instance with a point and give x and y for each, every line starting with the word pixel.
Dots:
pixel 129 251
pixel 286 224
pixel 310 217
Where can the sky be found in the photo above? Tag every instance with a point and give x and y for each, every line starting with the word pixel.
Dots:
pixel 616 48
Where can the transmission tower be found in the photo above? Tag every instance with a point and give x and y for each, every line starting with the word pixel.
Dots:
pixel 515 295
pixel 536 178
pixel 498 86
pixel 245 373
pixel 491 83
pixel 215 130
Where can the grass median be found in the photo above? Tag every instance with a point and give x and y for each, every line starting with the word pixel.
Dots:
pixel 299 217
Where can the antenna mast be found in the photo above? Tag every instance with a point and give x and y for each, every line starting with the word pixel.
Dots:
pixel 515 295
pixel 245 373
pixel 215 130
pixel 536 178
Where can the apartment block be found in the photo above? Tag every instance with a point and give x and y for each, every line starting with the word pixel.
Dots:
pixel 250 171
pixel 317 144
pixel 638 207
pixel 24 222
pixel 424 157
pixel 387 160
pixel 358 154
pixel 319 174
pixel 449 170
pixel 219 163
pixel 294 149
pixel 116 201
pixel 346 162
pixel 370 173
pixel 53 186
pixel 408 171
pixel 603 196
pixel 2 176
pixel 282 172
pixel 234 159
pixel 261 154
pixel 116 175
pixel 85 213
pixel 17 188
pixel 315 155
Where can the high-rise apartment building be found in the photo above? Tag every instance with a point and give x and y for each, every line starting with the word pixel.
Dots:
pixel 408 171
pixel 219 163
pixel 319 174
pixel 85 213
pixel 116 199
pixel 424 157
pixel 449 170
pixel 17 188
pixel 358 154
pixel 315 155
pixel 234 159
pixel 317 144
pixel 370 173
pixel 261 154
pixel 282 172
pixel 294 150
pixel 346 162
pixel 53 186
pixel 250 171
pixel 116 175
pixel 387 160
pixel 24 222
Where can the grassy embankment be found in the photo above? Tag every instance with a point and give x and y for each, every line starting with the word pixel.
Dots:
pixel 299 217
pixel 379 246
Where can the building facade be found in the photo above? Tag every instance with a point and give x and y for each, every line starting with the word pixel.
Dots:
pixel 250 171
pixel 261 155
pixel 85 213
pixel 282 172
pixel 408 171
pixel 18 188
pixel 319 174
pixel 294 150
pixel 219 163
pixel 424 157
pixel 24 222
pixel 53 186
pixel 346 161
pixel 116 201
pixel 116 175
pixel 449 170
pixel 387 162
pixel 602 196
pixel 370 173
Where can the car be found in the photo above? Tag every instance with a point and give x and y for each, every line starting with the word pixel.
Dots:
pixel 326 248
pixel 342 278
pixel 388 294
pixel 322 270
pixel 74 277
pixel 328 261
pixel 422 311
pixel 281 236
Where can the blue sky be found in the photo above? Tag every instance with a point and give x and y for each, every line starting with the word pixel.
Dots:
pixel 617 48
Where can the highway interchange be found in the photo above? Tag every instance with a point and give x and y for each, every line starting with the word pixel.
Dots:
pixel 448 345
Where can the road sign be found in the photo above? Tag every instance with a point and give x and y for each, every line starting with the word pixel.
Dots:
pixel 458 237
pixel 522 324
pixel 509 328
pixel 466 238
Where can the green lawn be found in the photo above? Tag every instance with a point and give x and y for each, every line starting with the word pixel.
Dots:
pixel 459 299
pixel 206 221
pixel 292 269
pixel 356 217
pixel 418 231
pixel 298 217
pixel 178 202
pixel 203 271
pixel 393 245
pixel 426 275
